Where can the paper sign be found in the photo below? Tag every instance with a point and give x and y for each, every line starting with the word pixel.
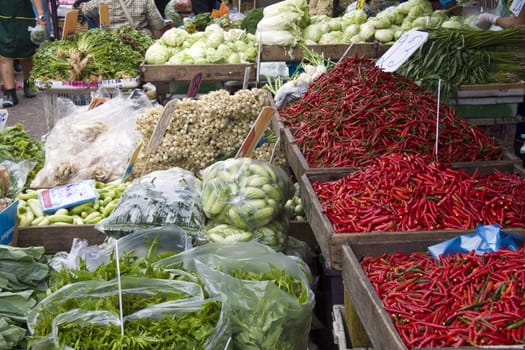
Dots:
pixel 195 85
pixel 516 6
pixel 402 49
pixel 67 196
pixel 256 132
pixel 132 161
pixel 162 125
pixel 3 118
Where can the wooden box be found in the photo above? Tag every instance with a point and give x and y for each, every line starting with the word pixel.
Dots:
pixel 185 72
pixel 330 242
pixel 332 52
pixel 362 297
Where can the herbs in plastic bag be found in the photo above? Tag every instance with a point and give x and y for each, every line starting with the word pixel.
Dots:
pixel 266 293
pixel 37 34
pixel 244 199
pixel 87 313
pixel 162 197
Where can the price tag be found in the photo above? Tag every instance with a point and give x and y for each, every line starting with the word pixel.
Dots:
pixel 246 79
pixel 3 118
pixel 401 51
pixel 195 85
pixel 162 125
pixel 131 162
pixel 516 6
pixel 256 132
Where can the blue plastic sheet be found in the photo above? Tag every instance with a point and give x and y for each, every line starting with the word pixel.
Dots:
pixel 486 239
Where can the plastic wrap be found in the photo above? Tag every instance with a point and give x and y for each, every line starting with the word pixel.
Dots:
pixel 92 144
pixel 169 299
pixel 171 238
pixel 244 199
pixel 159 198
pixel 264 316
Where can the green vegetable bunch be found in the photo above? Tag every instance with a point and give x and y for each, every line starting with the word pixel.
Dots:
pixel 465 56
pixel 249 22
pixel 92 56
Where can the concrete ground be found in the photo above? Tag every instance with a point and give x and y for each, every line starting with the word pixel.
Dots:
pixel 30 113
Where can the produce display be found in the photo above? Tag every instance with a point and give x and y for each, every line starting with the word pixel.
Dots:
pixel 283 23
pixel 201 131
pixel 472 57
pixel 460 300
pixel 268 295
pixel 243 199
pixel 356 112
pixel 92 56
pixel 213 45
pixel 23 275
pixel 407 193
pixel 92 143
pixel 30 211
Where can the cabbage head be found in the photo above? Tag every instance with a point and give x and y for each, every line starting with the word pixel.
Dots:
pixel 352 30
pixel 157 54
pixel 214 39
pixel 174 37
pixel 366 31
pixel 312 33
pixel 384 35
pixel 331 38
pixel 355 16
pixel 234 58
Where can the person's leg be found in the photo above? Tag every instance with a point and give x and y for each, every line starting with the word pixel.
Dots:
pixel 27 65
pixel 7 71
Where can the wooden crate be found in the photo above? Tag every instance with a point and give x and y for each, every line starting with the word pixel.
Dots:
pixel 185 72
pixel 332 52
pixel 370 311
pixel 330 242
pixel 299 165
pixel 57 238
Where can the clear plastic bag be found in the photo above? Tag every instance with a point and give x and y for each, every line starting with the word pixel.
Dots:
pixel 92 144
pixel 15 176
pixel 37 34
pixel 169 299
pixel 264 316
pixel 244 199
pixel 171 238
pixel 162 197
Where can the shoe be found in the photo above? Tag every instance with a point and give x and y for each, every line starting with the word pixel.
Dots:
pixel 18 66
pixel 27 90
pixel 10 98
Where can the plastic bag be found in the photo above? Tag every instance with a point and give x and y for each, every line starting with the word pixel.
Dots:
pixel 171 238
pixel 162 197
pixel 486 239
pixel 244 199
pixel 93 144
pixel 95 303
pixel 264 316
pixel 17 172
pixel 37 34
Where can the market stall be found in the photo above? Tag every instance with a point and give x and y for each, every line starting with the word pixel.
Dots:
pixel 271 216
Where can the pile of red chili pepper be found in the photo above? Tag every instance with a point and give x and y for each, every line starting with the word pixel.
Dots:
pixel 407 192
pixel 459 300
pixel 356 111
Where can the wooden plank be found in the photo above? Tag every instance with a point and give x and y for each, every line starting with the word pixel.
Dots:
pixel 333 52
pixel 57 238
pixel 185 72
pixel 494 87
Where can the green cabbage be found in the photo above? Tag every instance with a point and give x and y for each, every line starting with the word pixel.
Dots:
pixel 157 54
pixel 366 31
pixel 384 35
pixel 174 37
pixel 331 38
pixel 312 32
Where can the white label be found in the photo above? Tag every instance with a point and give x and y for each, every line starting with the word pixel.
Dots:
pixel 516 6
pixel 3 118
pixel 401 51
pixel 67 196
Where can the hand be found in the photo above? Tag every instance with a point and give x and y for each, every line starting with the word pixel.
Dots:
pixel 485 20
pixel 77 3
